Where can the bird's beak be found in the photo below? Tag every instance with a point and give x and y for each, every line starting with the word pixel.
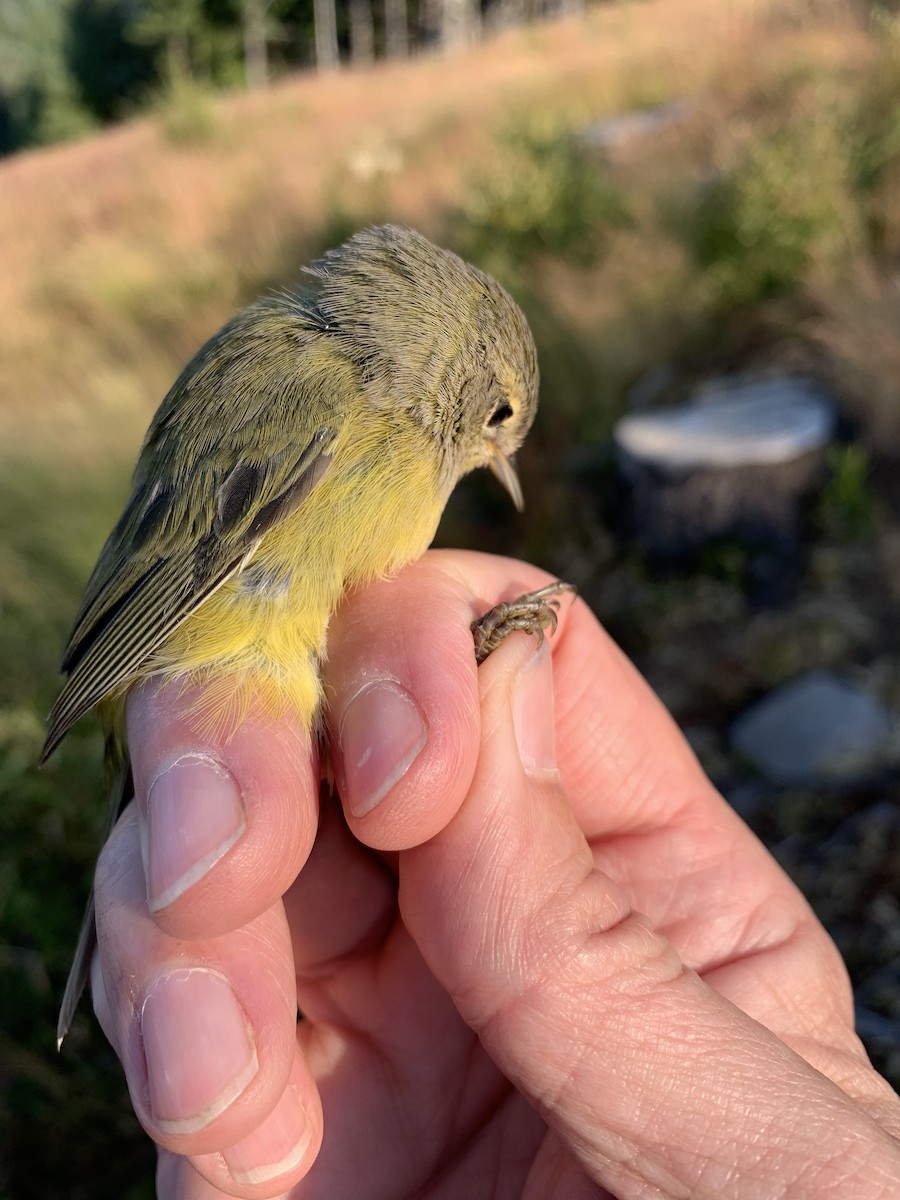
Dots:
pixel 502 467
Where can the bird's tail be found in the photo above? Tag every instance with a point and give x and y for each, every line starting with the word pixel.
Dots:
pixel 120 788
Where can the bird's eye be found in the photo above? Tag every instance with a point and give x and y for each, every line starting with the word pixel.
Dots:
pixel 501 413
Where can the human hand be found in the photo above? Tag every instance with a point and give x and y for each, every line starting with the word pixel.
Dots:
pixel 571 978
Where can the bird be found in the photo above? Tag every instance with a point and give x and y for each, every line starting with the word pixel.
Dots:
pixel 308 448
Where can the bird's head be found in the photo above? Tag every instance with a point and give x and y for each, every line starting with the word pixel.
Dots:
pixel 437 336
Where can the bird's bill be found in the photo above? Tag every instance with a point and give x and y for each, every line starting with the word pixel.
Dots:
pixel 502 467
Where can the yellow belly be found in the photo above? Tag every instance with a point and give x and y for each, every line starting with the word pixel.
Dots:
pixel 261 637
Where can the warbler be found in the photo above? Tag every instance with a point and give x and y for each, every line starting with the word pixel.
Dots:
pixel 309 447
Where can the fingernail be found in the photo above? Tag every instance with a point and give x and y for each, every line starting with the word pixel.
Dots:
pixel 275 1148
pixel 382 730
pixel 198 1047
pixel 533 715
pixel 194 815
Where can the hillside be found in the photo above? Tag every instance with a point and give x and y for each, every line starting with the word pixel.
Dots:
pixel 755 227
pixel 120 251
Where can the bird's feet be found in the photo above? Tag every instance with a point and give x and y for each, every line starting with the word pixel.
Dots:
pixel 534 612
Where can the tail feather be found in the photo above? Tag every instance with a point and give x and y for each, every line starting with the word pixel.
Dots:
pixel 120 790
pixel 79 973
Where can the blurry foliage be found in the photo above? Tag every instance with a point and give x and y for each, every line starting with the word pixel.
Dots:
pixel 193 39
pixel 856 330
pixel 542 194
pixel 50 820
pixel 846 503
pixel 727 561
pixel 69 65
pixel 185 113
pixel 39 99
pixel 112 72
pixel 782 206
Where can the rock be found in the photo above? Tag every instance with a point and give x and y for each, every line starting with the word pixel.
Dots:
pixel 817 728
pixel 736 460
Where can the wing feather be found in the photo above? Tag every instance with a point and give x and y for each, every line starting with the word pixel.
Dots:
pixel 223 463
pixel 154 609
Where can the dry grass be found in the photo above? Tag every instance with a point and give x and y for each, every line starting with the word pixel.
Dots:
pixel 123 251
pixel 858 331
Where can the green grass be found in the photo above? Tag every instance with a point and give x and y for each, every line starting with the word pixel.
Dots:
pixel 846 505
pixel 53 520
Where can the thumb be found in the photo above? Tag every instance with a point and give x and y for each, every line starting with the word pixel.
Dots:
pixel 653 1080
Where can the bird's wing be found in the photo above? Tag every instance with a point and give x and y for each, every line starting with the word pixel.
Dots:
pixel 120 628
pixel 203 499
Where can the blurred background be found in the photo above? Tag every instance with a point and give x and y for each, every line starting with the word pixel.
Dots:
pixel 697 205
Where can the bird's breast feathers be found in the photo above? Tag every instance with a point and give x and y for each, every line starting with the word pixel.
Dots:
pixel 261 636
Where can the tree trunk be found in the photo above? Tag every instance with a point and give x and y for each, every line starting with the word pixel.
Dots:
pixel 256 57
pixel 362 33
pixel 396 34
pixel 505 14
pixel 326 35
pixel 459 24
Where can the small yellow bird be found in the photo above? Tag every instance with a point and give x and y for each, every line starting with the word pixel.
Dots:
pixel 309 447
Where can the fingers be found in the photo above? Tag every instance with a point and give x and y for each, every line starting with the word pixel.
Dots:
pixel 206 1032
pixel 193 980
pixel 402 688
pixel 651 818
pixel 652 1078
pixel 225 822
pixel 176 1177
pixel 402 692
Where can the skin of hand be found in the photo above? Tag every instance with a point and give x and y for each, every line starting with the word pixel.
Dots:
pixel 537 955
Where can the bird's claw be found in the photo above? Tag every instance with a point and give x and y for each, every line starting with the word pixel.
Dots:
pixel 535 612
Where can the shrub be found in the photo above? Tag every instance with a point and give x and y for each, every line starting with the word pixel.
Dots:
pixel 186 114
pixel 784 205
pixel 545 193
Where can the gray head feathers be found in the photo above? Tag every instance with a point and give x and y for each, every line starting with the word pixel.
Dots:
pixel 419 320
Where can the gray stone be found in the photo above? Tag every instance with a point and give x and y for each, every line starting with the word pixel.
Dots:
pixel 816 728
